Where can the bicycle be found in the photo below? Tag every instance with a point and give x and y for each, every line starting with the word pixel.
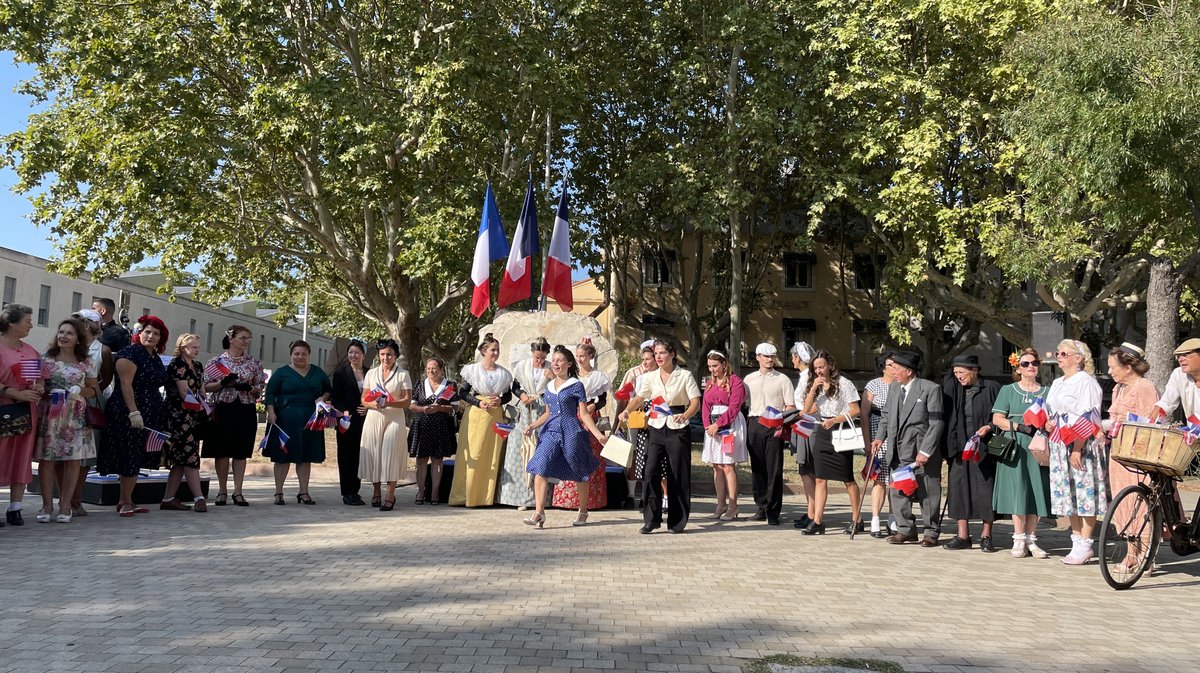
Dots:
pixel 1129 545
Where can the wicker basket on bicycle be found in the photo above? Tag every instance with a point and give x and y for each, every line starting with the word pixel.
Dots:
pixel 1154 448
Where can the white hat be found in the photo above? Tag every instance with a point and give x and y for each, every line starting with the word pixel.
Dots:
pixel 648 343
pixel 803 351
pixel 89 314
pixel 765 349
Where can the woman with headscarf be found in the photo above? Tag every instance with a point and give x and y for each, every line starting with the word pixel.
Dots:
pixel 485 387
pixel 802 355
pixel 135 409
pixel 967 401
pixel 1078 474
pixel 530 377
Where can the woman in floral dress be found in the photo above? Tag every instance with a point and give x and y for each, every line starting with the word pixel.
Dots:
pixel 183 416
pixel 63 437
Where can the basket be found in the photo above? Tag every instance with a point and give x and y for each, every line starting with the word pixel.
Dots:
pixel 1154 448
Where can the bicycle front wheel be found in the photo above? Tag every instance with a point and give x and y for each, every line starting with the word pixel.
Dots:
pixel 1130 535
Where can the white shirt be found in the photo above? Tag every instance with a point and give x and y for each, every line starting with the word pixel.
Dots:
pixel 801 386
pixel 831 407
pixel 1074 395
pixel 772 389
pixel 679 390
pixel 1180 389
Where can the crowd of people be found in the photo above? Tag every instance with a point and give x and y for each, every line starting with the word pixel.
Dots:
pixel 100 396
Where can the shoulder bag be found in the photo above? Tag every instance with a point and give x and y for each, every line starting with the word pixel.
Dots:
pixel 636 420
pixel 15 419
pixel 847 437
pixel 1002 446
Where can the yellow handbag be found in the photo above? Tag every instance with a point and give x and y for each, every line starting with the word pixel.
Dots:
pixel 637 420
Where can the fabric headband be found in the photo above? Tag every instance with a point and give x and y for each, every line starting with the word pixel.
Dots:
pixel 717 354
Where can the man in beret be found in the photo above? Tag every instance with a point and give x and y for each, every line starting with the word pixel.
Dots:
pixel 767 388
pixel 1183 387
pixel 912 427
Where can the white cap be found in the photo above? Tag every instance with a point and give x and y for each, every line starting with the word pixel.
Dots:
pixel 90 314
pixel 765 349
pixel 648 343
pixel 803 351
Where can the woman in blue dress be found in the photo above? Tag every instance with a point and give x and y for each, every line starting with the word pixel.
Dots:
pixel 563 450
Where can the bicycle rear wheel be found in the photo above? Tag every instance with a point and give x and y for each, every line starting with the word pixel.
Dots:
pixel 1130 535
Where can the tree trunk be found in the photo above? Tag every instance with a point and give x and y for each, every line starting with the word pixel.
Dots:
pixel 1162 318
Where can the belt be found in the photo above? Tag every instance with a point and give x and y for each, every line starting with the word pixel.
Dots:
pixel 678 408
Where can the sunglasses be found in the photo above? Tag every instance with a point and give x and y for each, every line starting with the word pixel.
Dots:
pixel 1064 354
pixel 1029 363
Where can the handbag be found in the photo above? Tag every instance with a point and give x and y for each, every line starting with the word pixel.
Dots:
pixel 1003 447
pixel 1040 449
pixel 636 420
pixel 15 419
pixel 94 418
pixel 618 450
pixel 847 437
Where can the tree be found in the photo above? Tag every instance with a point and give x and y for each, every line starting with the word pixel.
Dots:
pixel 340 146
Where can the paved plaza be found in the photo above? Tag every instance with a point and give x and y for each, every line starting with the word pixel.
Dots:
pixel 331 587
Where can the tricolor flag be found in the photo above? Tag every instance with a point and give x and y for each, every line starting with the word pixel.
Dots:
pixel 556 279
pixel 216 370
pixel 727 440
pixel 1035 415
pixel 1086 425
pixel 771 418
pixel 1191 429
pixel 283 438
pixel 625 392
pixel 489 247
pixel 191 402
pixel 659 408
pixel 502 429
pixel 973 450
pixel 447 394
pixel 155 440
pixel 804 426
pixel 30 370
pixel 905 480
pixel 58 402
pixel 1063 432
pixel 378 392
pixel 343 422
pixel 872 472
pixel 517 283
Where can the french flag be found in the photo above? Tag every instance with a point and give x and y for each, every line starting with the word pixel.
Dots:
pixel 518 273
pixel 502 429
pixel 191 402
pixel 377 393
pixel 659 408
pixel 343 422
pixel 556 280
pixel 625 392
pixel 489 247
pixel 727 440
pixel 905 480
pixel 283 438
pixel 973 451
pixel 771 418
pixel 447 394
pixel 804 426
pixel 1035 415
pixel 874 468
pixel 1191 429
pixel 1134 418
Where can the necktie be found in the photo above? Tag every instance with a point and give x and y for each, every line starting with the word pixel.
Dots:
pixel 903 396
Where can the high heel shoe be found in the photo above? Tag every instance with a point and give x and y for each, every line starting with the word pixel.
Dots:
pixel 721 509
pixel 854 528
pixel 730 514
pixel 536 520
pixel 387 505
pixel 814 528
pixel 279 499
pixel 581 521
pixel 305 499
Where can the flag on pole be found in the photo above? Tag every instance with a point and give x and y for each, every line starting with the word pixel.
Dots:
pixel 1035 415
pixel 216 370
pixel 283 438
pixel 556 277
pixel 502 429
pixel 517 283
pixel 771 418
pixel 155 440
pixel 905 480
pixel 489 247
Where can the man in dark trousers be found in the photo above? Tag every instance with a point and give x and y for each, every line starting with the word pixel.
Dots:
pixel 112 334
pixel 767 388
pixel 912 427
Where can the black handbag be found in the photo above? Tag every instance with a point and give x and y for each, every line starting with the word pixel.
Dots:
pixel 1003 447
pixel 15 419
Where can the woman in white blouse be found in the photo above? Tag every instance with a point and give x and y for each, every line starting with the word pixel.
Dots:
pixel 486 387
pixel 675 398
pixel 1078 479
pixel 834 400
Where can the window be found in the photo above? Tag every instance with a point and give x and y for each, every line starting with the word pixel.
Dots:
pixel 656 268
pixel 798 270
pixel 1006 347
pixel 76 301
pixel 192 326
pixel 870 338
pixel 274 346
pixel 866 273
pixel 262 343
pixel 797 329
pixel 43 317
pixel 208 341
pixel 10 290
pixel 653 325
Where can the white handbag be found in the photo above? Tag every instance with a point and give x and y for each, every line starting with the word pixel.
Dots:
pixel 618 450
pixel 847 437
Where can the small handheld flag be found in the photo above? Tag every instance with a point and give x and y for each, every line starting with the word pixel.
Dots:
pixel 343 423
pixel 377 393
pixel 1063 432
pixel 1085 426
pixel 58 402
pixel 1134 418
pixel 502 429
pixel 727 440
pixel 1191 429
pixel 659 408
pixel 973 450
pixel 30 370
pixel 216 370
pixel 874 468
pixel 1035 415
pixel 625 392
pixel 905 480
pixel 283 438
pixel 155 440
pixel 804 426
pixel 771 418
pixel 447 394
pixel 191 402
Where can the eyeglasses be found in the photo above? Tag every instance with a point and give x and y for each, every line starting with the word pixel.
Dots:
pixel 1029 363
pixel 1184 355
pixel 1064 354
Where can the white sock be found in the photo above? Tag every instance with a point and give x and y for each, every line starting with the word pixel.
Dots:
pixel 14 506
pixel 197 498
pixel 875 523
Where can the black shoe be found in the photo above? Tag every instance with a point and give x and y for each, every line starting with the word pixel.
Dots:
pixel 348 500
pixel 759 516
pixel 958 543
pixel 879 534
pixel 676 530
pixel 802 522
pixel 648 528
pixel 986 546
pixel 13 517
pixel 854 527
pixel 814 528
pixel 772 521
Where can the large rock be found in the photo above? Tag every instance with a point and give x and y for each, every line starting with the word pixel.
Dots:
pixel 515 330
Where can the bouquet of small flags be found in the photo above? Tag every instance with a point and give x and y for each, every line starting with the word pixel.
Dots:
pixel 771 418
pixel 377 393
pixel 502 429
pixel 973 450
pixel 283 438
pixel 804 425
pixel 1191 429
pixel 1035 415
pixel 905 480
pixel 1084 426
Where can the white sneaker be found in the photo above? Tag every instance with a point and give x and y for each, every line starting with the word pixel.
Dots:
pixel 1019 550
pixel 1034 549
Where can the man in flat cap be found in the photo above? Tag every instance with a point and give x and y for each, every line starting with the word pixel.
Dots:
pixel 912 427
pixel 764 441
pixel 1183 387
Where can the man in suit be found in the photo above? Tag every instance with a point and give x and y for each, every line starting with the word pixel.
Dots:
pixel 912 427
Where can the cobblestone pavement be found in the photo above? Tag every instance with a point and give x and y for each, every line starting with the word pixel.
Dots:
pixel 423 588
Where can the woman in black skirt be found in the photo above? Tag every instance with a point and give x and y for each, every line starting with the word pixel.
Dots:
pixel 433 435
pixel 347 382
pixel 833 398
pixel 230 435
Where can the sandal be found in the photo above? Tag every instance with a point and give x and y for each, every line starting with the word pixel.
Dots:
pixel 305 499
pixel 123 512
pixel 240 500
pixel 387 505
pixel 220 501
pixel 77 509
pixel 375 501
pixel 279 499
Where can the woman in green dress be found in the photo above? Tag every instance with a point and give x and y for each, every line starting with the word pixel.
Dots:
pixel 1022 487
pixel 292 395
